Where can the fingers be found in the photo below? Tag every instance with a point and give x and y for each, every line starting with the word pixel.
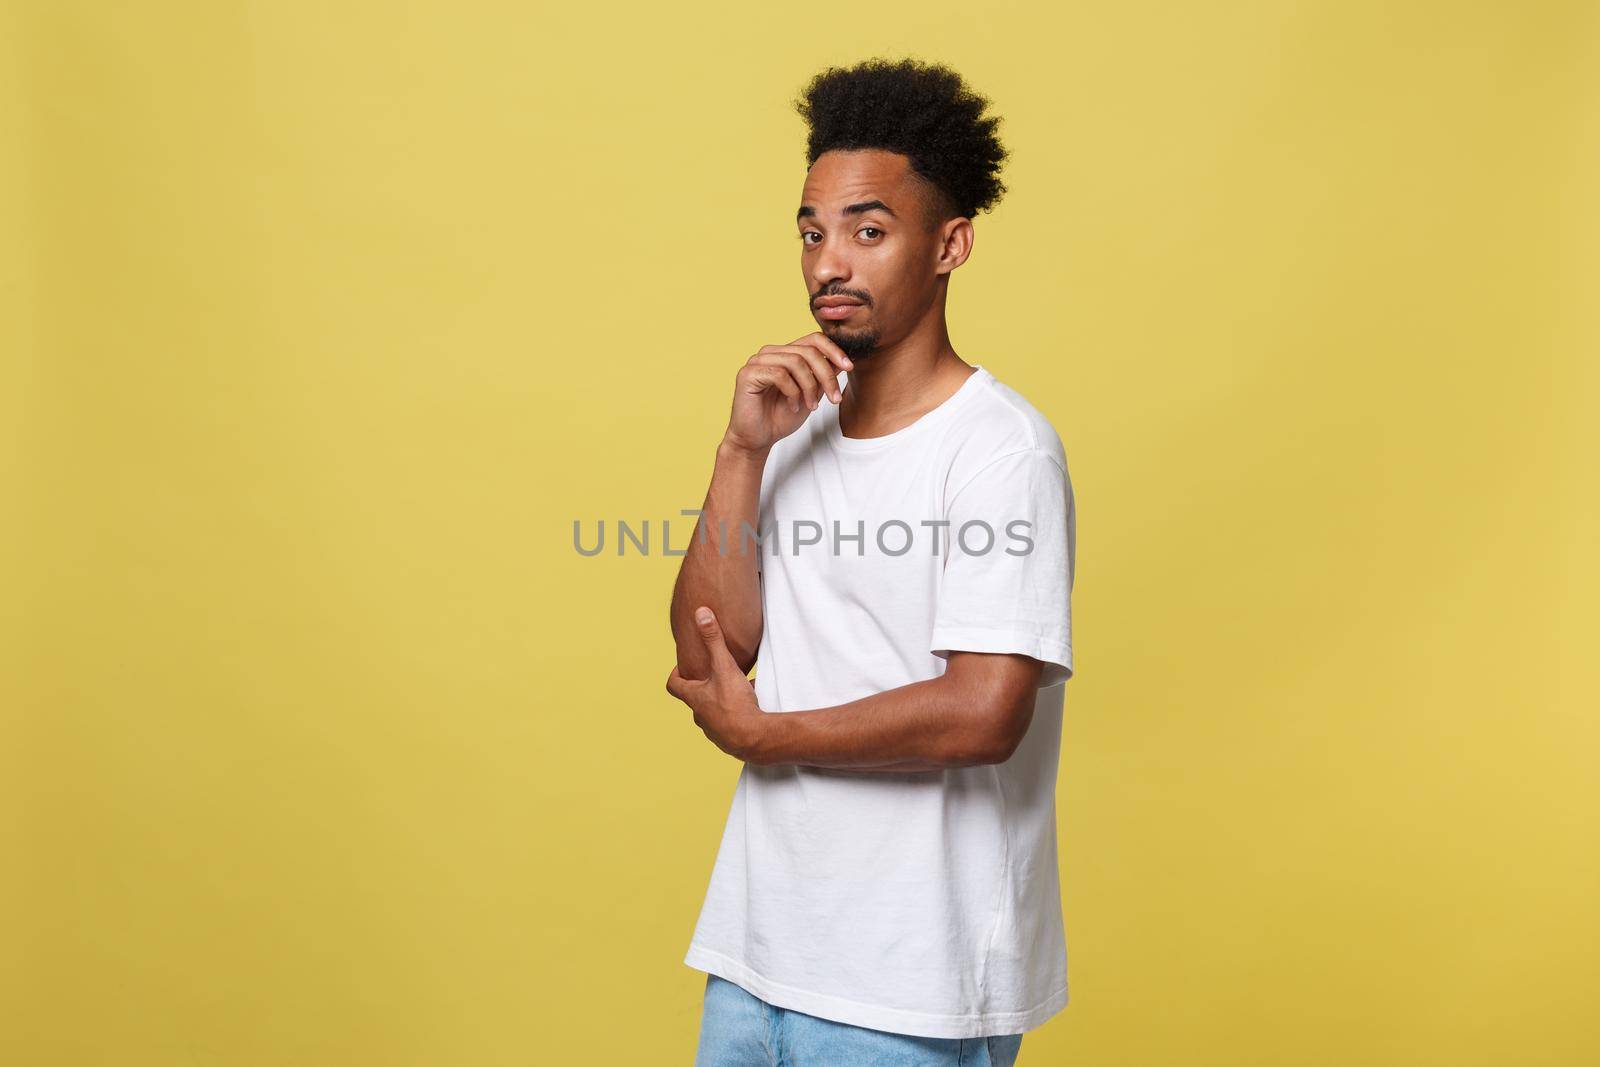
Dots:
pixel 711 633
pixel 821 366
pixel 806 366
pixel 833 359
pixel 768 375
pixel 827 346
pixel 803 371
pixel 789 366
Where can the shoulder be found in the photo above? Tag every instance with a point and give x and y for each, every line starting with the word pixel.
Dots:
pixel 999 422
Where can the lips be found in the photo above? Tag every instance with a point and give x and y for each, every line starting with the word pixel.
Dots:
pixel 836 307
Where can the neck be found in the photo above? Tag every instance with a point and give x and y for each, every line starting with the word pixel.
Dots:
pixel 901 382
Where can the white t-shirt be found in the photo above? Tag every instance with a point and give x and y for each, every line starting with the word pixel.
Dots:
pixel 923 903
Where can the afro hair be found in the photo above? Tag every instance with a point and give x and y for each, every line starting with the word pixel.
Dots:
pixel 920 110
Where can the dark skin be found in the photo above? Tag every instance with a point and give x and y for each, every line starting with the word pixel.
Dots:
pixel 872 231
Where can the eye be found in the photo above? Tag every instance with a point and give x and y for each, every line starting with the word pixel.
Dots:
pixel 874 229
pixel 806 234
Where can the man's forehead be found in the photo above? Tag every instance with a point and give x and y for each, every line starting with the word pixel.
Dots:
pixel 839 178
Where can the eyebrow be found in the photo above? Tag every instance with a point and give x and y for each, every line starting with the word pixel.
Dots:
pixel 807 211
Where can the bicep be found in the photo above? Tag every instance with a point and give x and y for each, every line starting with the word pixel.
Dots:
pixel 1001 688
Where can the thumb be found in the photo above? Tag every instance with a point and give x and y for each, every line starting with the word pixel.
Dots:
pixel 711 633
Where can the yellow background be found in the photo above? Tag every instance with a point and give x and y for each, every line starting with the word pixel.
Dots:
pixel 323 322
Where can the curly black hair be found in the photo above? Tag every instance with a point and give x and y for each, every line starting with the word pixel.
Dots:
pixel 921 110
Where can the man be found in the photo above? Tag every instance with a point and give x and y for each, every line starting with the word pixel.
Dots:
pixel 886 888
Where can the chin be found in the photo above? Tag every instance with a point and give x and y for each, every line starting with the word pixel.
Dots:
pixel 858 346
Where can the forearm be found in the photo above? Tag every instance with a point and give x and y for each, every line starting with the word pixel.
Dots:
pixel 925 726
pixel 722 578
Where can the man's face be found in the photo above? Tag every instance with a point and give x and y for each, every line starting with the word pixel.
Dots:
pixel 865 238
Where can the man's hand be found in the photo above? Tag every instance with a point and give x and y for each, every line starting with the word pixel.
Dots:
pixel 725 703
pixel 780 386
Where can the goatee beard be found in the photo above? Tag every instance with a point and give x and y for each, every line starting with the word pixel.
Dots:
pixel 857 346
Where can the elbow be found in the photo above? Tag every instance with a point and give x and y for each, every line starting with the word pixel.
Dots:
pixel 1005 729
pixel 1005 747
pixel 694 660
pixel 980 747
pixel 744 657
pixel 989 749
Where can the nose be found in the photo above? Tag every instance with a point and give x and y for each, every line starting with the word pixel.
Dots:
pixel 831 264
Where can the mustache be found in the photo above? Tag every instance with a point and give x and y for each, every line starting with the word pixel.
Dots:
pixel 846 293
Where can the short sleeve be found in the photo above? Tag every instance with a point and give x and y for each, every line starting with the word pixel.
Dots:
pixel 1010 557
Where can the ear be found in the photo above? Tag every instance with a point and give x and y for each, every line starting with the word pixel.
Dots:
pixel 955 244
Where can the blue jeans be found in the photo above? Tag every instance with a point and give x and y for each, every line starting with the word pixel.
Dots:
pixel 738 1029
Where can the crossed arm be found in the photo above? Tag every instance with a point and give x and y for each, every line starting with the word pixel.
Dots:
pixel 976 712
